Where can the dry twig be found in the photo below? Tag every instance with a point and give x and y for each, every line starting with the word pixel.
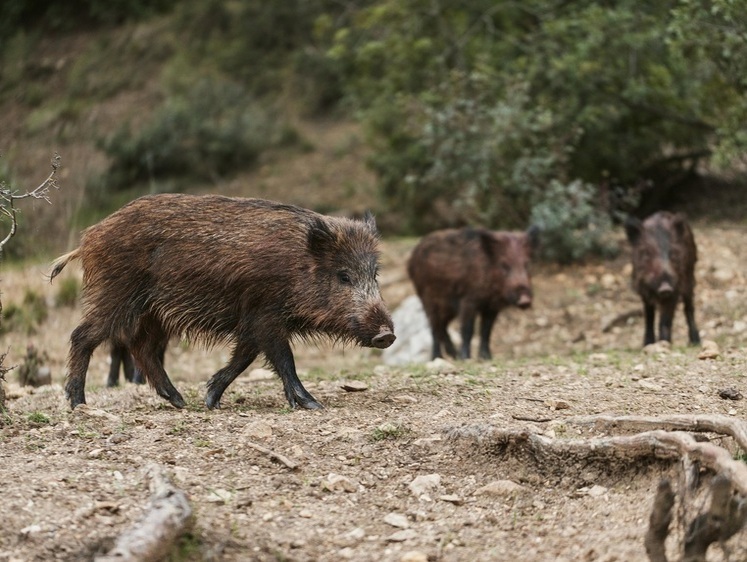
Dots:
pixel 289 463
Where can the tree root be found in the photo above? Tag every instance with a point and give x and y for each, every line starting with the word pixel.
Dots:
pixel 168 517
pixel 728 511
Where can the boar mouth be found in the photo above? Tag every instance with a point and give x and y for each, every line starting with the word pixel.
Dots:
pixel 524 302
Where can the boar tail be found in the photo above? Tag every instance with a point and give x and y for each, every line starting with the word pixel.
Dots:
pixel 60 263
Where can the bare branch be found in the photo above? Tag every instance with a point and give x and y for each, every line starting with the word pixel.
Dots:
pixel 9 197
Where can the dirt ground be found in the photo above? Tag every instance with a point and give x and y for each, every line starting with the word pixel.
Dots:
pixel 74 481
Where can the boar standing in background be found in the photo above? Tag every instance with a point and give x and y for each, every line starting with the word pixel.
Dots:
pixel 664 256
pixel 215 269
pixel 121 356
pixel 470 271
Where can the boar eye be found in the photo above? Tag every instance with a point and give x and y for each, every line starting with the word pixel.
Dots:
pixel 344 278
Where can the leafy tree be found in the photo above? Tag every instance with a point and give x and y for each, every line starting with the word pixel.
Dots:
pixel 483 105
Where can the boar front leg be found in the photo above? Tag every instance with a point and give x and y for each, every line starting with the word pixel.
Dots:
pixel 692 329
pixel 487 321
pixel 666 315
pixel 280 357
pixel 146 347
pixel 467 320
pixel 649 311
pixel 243 355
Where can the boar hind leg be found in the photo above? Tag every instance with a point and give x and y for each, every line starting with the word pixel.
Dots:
pixel 649 311
pixel 440 335
pixel 146 348
pixel 467 321
pixel 83 341
pixel 280 357
pixel 117 356
pixel 692 328
pixel 242 357
pixel 487 320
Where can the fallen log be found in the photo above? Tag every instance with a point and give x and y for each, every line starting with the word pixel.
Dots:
pixel 167 518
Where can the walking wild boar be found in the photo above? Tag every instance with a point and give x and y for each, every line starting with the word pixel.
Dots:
pixel 470 271
pixel 214 269
pixel 664 256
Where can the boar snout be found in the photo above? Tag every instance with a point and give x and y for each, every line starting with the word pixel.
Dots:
pixel 383 339
pixel 523 299
pixel 665 290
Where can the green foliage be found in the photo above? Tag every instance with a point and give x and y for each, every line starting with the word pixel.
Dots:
pixel 211 130
pixel 389 432
pixel 573 223
pixel 38 418
pixel 27 316
pixel 68 290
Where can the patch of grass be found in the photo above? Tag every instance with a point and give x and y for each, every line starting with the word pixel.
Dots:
pixel 38 418
pixel 67 292
pixel 25 317
pixel 187 547
pixel 389 432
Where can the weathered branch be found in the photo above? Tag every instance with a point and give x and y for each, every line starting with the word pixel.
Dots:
pixel 289 463
pixel 168 517
pixel 725 425
pixel 9 197
pixel 658 444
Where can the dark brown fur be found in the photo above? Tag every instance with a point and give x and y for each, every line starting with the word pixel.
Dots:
pixel 664 256
pixel 467 272
pixel 215 269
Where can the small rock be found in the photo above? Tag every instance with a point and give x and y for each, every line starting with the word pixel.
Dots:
pixel 95 453
pixel 649 385
pixel 557 404
pixel 339 483
pixel 354 386
pixel 597 491
pixel 424 484
pixel 404 399
pixel 30 531
pixel 414 556
pixel 258 430
pixel 451 498
pixel 730 393
pixel 357 534
pixel 397 520
pixel 709 350
pixel 85 410
pixel 219 496
pixel 402 536
pixel 500 488
pixel 305 513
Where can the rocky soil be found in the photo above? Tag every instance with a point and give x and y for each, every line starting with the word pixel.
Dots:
pixel 378 476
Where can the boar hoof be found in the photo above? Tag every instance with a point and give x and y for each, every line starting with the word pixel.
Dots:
pixel 176 401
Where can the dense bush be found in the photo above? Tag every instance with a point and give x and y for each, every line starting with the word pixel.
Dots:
pixel 25 317
pixel 211 130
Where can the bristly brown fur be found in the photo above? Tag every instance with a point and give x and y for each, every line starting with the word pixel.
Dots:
pixel 216 269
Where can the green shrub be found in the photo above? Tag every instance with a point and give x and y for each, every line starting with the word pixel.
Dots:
pixel 67 292
pixel 212 130
pixel 27 316
pixel 573 223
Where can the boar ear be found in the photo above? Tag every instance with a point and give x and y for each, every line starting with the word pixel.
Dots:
pixel 633 228
pixel 320 238
pixel 370 221
pixel 533 235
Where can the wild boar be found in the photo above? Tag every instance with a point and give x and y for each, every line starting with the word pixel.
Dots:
pixel 120 357
pixel 664 255
pixel 215 269
pixel 470 271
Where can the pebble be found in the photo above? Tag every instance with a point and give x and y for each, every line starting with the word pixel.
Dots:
pixel 709 350
pixel 397 520
pixel 258 430
pixel 402 536
pixel 451 498
pixel 500 488
pixel 424 483
pixel 339 483
pixel 354 386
